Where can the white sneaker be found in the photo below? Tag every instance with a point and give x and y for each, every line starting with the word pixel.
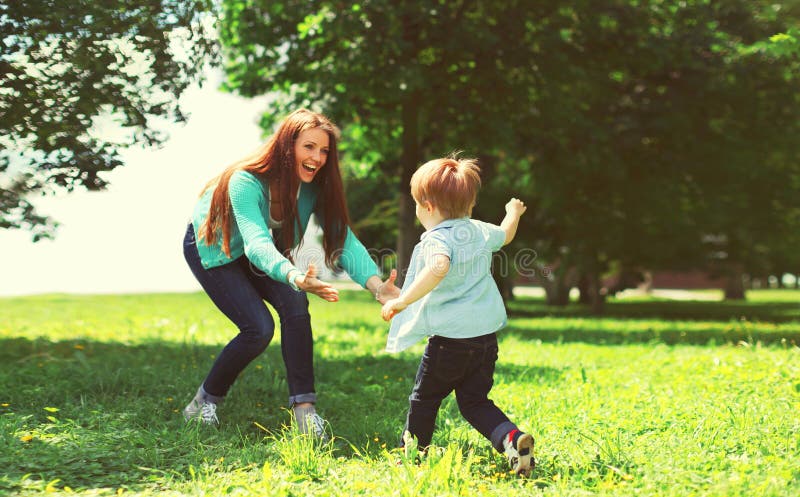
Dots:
pixel 308 421
pixel 520 457
pixel 201 410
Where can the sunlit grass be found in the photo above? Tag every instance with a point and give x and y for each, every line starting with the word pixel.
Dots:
pixel 91 388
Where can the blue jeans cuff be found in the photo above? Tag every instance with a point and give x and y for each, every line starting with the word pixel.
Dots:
pixel 201 392
pixel 501 431
pixel 303 397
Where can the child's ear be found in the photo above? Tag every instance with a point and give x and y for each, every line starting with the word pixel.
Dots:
pixel 429 206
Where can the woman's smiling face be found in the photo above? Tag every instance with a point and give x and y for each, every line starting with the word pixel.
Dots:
pixel 311 153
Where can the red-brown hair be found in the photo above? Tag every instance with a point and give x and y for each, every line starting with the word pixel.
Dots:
pixel 275 161
pixel 450 184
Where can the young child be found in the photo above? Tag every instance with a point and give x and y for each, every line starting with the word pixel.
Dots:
pixel 449 295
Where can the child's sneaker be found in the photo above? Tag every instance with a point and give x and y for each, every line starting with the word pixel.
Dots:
pixel 518 447
pixel 201 410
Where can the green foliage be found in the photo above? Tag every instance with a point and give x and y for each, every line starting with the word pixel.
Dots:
pixel 94 385
pixel 656 135
pixel 66 68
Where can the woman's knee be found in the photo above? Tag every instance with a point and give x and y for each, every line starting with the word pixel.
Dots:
pixel 258 335
pixel 293 306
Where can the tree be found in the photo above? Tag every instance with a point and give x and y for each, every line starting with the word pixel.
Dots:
pixel 419 79
pixel 659 126
pixel 68 68
pixel 616 121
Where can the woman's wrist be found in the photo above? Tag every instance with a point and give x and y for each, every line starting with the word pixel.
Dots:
pixel 374 284
pixel 291 278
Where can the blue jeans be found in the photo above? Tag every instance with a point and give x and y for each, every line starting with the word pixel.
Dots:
pixel 239 290
pixel 465 365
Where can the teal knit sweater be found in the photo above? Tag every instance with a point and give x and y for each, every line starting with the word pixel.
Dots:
pixel 250 236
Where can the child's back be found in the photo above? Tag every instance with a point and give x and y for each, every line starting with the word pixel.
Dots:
pixel 449 295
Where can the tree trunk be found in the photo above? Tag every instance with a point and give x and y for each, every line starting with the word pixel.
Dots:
pixel 504 284
pixel 584 296
pixel 407 234
pixel 558 285
pixel 734 284
pixel 596 297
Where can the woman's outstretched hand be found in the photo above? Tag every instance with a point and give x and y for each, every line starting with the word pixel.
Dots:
pixel 388 290
pixel 311 284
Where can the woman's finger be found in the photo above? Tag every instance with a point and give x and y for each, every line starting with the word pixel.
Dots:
pixel 311 272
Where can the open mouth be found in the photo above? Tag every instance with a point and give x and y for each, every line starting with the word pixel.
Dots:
pixel 310 168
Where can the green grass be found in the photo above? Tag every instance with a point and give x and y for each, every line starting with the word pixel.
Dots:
pixel 656 398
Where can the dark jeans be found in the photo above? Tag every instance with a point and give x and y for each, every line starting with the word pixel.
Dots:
pixel 239 290
pixel 465 365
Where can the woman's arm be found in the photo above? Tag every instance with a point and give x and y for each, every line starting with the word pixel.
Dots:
pixel 383 290
pixel 245 194
pixel 246 197
pixel 356 261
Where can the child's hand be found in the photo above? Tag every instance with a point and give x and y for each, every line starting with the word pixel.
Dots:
pixel 391 308
pixel 515 207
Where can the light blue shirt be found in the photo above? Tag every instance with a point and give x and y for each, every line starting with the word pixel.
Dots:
pixel 466 303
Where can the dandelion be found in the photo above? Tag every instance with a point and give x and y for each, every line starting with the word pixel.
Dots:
pixel 4 404
pixel 169 399
pixel 377 439
pixel 385 377
pixel 25 438
pixel 79 347
pixel 51 409
pixel 258 366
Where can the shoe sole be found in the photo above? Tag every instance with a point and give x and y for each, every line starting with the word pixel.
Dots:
pixel 525 462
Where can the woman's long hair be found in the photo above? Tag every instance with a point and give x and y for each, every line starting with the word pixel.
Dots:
pixel 275 161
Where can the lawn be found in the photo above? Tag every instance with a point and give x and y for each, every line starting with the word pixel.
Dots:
pixel 654 398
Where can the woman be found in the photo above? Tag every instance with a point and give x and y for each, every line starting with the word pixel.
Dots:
pixel 238 247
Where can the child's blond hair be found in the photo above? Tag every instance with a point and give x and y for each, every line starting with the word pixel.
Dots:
pixel 450 184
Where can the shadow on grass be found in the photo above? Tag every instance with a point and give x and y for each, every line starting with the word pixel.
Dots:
pixel 98 415
pixel 771 312
pixel 672 323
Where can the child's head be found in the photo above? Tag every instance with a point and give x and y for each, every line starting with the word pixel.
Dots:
pixel 450 184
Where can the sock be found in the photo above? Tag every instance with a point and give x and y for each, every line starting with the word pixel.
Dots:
pixel 513 436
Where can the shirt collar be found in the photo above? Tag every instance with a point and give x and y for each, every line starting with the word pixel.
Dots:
pixel 447 223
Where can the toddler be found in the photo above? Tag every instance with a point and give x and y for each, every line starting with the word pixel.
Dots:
pixel 449 295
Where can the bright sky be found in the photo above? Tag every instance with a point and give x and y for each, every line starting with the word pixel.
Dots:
pixel 128 238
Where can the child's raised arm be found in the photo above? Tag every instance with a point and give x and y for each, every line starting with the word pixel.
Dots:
pixel 514 210
pixel 423 284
